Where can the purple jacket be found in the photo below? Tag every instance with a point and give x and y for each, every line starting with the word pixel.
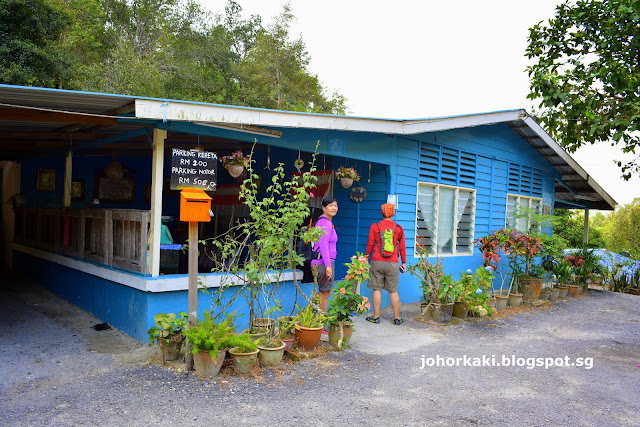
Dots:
pixel 327 244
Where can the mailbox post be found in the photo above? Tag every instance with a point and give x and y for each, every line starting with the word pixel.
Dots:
pixel 193 171
pixel 195 207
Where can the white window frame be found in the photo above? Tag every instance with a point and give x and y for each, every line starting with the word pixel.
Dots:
pixel 519 198
pixel 456 223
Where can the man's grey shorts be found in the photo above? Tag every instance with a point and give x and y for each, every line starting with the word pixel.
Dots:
pixel 384 275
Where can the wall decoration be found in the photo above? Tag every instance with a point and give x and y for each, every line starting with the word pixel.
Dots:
pixel 77 189
pixel 46 180
pixel 122 191
pixel 358 194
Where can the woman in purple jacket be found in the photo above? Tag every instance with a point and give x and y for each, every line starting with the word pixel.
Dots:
pixel 327 248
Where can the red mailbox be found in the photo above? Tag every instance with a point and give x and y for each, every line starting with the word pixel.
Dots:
pixel 195 206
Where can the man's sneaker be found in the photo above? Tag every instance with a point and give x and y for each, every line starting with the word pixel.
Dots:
pixel 373 319
pixel 397 321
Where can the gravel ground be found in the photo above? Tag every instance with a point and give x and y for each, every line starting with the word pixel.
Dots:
pixel 56 370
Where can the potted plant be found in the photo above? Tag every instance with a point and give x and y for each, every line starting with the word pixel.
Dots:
pixel 308 325
pixel 167 332
pixel 525 248
pixel 271 351
pixel 591 266
pixel 562 271
pixel 473 296
pixel 345 301
pixel 492 247
pixel 243 352
pixel 235 163
pixel 446 294
pixel 346 176
pixel 286 331
pixel 209 342
pixel 429 275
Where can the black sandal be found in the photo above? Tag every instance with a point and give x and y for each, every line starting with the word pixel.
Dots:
pixel 373 319
pixel 397 321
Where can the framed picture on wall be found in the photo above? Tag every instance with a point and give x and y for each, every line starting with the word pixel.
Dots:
pixel 46 180
pixel 77 189
pixel 120 191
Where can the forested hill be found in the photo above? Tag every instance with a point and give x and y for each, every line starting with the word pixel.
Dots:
pixel 160 48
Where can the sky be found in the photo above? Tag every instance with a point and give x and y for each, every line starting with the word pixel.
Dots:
pixel 423 58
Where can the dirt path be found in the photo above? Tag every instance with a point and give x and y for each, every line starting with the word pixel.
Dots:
pixel 56 370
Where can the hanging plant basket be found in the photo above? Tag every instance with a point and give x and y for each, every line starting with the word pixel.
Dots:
pixel 346 182
pixel 235 170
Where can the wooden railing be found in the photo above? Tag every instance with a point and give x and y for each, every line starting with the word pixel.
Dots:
pixel 114 237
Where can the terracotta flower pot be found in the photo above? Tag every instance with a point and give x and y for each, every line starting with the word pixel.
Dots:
pixel 501 302
pixel 205 366
pixel 307 338
pixel 554 294
pixel 563 291
pixel 235 170
pixel 531 287
pixel 515 300
pixel 460 309
pixel 544 294
pixel 442 313
pixel 243 362
pixel 262 325
pixel 573 290
pixel 492 302
pixel 346 182
pixel 334 334
pixel 288 343
pixel 270 357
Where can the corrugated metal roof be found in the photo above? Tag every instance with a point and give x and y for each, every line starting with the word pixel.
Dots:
pixel 575 189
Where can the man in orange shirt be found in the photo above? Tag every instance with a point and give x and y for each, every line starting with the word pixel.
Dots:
pixel 386 242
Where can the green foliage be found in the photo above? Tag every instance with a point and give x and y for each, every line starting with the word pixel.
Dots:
pixel 585 74
pixel 623 228
pixel 562 270
pixel 29 34
pixel 267 236
pixel 310 317
pixel 474 290
pixel 449 290
pixel 344 300
pixel 166 325
pixel 209 336
pixel 569 225
pixel 269 342
pixel 429 274
pixel 241 343
pixel 162 48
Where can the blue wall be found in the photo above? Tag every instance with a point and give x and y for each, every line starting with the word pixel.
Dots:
pixel 395 169
pixel 132 310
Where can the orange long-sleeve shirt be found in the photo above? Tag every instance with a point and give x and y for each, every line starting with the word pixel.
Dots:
pixel 374 244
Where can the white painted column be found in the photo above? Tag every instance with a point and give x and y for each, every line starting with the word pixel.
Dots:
pixel 66 188
pixel 157 166
pixel 585 238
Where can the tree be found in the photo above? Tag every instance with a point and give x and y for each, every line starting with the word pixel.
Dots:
pixel 29 30
pixel 623 229
pixel 274 73
pixel 586 75
pixel 570 226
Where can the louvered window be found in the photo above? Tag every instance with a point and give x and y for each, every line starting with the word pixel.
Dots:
pixel 519 210
pixel 445 219
pixel 525 180
pixel 447 165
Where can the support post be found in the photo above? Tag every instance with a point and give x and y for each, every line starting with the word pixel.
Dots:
pixel 157 166
pixel 66 188
pixel 585 238
pixel 193 282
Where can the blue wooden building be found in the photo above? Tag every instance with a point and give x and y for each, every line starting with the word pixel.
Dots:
pixel 97 241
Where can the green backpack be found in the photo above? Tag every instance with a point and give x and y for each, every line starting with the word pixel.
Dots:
pixel 386 237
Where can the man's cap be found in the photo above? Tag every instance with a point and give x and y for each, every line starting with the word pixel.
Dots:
pixel 388 209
